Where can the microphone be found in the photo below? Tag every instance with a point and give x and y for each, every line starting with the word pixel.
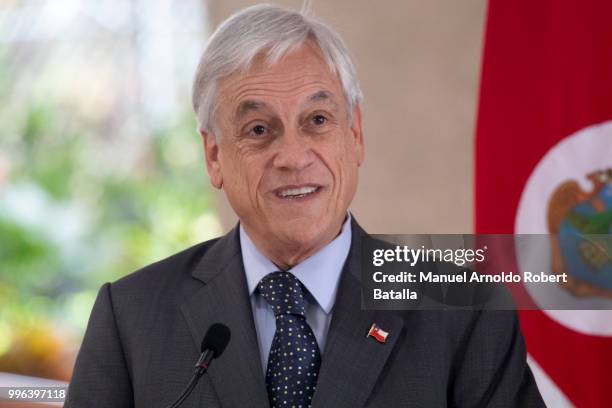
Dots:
pixel 213 345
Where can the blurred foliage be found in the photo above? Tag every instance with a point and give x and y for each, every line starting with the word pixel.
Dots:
pixel 84 200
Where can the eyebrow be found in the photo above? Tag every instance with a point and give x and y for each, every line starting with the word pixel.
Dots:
pixel 251 105
pixel 322 96
pixel 248 106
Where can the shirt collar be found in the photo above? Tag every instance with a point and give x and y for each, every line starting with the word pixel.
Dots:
pixel 319 273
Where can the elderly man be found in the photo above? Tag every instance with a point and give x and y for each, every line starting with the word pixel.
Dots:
pixel 278 106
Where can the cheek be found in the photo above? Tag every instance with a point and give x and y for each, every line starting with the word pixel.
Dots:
pixel 347 169
pixel 347 156
pixel 333 152
pixel 243 174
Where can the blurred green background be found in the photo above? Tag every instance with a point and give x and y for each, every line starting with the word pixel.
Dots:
pixel 101 170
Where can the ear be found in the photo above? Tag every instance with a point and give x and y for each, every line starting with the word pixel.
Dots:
pixel 357 133
pixel 211 154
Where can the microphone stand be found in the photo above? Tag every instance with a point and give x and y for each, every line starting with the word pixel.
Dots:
pixel 200 368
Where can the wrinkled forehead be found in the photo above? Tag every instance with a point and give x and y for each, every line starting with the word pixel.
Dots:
pixel 300 76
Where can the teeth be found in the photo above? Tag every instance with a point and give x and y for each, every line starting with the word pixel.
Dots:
pixel 292 192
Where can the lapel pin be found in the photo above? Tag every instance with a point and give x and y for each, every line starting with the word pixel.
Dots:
pixel 379 334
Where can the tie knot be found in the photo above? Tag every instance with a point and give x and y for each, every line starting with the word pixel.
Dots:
pixel 284 293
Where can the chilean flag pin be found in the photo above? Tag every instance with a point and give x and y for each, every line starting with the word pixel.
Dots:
pixel 379 334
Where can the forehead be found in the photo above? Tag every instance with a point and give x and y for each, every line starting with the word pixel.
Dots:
pixel 298 75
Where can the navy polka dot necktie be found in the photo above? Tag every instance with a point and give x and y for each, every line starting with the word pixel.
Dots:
pixel 294 359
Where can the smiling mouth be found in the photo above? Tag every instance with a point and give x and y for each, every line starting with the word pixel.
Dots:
pixel 290 193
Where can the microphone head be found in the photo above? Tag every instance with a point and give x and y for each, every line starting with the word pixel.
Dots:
pixel 216 339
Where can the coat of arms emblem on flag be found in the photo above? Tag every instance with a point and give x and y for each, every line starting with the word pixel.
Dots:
pixel 580 223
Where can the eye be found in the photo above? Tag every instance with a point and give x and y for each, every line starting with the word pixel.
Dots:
pixel 319 120
pixel 259 130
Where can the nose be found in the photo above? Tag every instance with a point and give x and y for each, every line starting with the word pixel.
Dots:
pixel 294 152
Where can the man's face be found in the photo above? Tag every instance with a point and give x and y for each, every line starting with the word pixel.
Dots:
pixel 286 154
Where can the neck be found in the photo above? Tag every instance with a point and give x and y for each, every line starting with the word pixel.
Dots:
pixel 287 253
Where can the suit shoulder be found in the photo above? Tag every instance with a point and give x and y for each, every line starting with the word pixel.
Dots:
pixel 174 267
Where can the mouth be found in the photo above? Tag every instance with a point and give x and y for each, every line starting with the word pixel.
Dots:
pixel 297 192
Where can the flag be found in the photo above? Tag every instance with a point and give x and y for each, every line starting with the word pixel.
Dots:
pixel 544 164
pixel 377 333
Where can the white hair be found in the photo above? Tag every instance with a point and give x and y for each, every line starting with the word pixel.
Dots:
pixel 274 32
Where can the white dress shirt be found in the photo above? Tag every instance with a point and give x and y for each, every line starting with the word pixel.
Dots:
pixel 320 274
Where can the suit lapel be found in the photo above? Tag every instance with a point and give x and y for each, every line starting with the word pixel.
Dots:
pixel 352 363
pixel 237 376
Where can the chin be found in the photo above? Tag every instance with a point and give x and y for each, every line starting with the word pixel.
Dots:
pixel 305 231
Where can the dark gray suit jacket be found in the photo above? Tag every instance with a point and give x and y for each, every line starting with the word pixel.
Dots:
pixel 145 331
